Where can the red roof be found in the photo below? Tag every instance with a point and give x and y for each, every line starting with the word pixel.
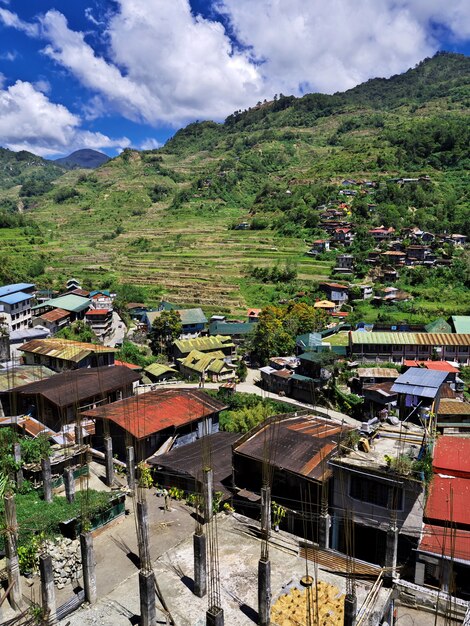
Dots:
pixel 452 456
pixel 55 315
pixel 131 366
pixel 151 412
pixel 340 314
pixel 440 366
pixel 98 312
pixel 448 499
pixel 439 540
pixel 254 312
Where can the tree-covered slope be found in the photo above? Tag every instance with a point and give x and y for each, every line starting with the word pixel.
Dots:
pixel 164 219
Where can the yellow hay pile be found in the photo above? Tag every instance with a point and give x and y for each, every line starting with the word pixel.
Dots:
pixel 291 609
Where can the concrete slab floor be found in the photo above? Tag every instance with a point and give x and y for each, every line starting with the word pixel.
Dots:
pixel 239 552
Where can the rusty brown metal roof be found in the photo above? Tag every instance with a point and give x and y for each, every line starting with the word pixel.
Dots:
pixel 75 386
pixel 453 407
pixel 55 315
pixel 63 348
pixel 301 445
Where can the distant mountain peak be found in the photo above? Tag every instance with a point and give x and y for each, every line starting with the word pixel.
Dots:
pixel 85 158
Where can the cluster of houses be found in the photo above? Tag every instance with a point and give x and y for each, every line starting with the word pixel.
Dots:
pixel 28 313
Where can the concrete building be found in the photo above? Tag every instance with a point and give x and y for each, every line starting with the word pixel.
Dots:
pixel 15 305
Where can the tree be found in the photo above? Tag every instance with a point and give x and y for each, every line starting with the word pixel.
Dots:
pixel 78 331
pixel 165 329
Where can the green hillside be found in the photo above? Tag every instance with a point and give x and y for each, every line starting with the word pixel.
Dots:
pixel 165 219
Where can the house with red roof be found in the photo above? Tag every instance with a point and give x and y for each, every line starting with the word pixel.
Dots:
pixel 156 421
pixel 443 554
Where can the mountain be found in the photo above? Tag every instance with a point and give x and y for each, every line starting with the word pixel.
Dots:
pixel 165 220
pixel 86 158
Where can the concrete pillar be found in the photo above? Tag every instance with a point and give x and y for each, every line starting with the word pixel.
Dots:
pixel 46 479
pixel 324 531
pixel 335 532
pixel 420 570
pixel 11 552
pixel 207 491
pixel 78 434
pixel 264 592
pixel 88 567
pixel 446 576
pixel 391 551
pixel 215 616
pixel 49 606
pixel 108 459
pixel 17 458
pixel 69 483
pixel 130 467
pixel 143 536
pixel 350 609
pixel 265 511
pixel 200 565
pixel 148 612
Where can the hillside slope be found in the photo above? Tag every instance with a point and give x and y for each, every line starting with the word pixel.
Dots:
pixel 162 219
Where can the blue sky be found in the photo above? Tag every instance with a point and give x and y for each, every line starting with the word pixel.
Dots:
pixel 112 74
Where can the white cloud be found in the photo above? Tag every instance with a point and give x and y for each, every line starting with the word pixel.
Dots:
pixel 9 55
pixel 30 121
pixel 164 65
pixel 12 20
pixel 150 144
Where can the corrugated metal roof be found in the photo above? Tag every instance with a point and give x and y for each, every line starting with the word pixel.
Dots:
pixel 309 340
pixel 231 328
pixel 454 407
pixel 151 412
pixel 452 455
pixel 13 288
pixel 301 445
pixel 54 315
pixel 411 339
pixel 461 323
pixel 14 298
pixel 439 326
pixel 442 542
pixel 448 499
pixel 65 349
pixel 377 372
pixel 22 375
pixel 200 362
pixel 75 386
pixel 188 316
pixel 70 302
pixel 204 344
pixel 419 382
pixel 157 369
pixel 441 366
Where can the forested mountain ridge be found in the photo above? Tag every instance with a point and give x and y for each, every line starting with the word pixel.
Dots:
pixel 164 218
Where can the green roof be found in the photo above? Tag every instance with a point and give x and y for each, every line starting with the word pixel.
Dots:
pixel 438 326
pixel 204 344
pixel 410 339
pixel 309 340
pixel 157 369
pixel 301 378
pixel 312 357
pixel 461 323
pixel 71 302
pixel 231 328
pixel 188 316
pixel 200 362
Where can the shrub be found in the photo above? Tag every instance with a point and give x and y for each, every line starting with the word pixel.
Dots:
pixel 145 475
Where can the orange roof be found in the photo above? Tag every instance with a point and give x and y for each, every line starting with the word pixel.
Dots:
pixel 131 366
pixel 55 315
pixel 443 542
pixel 438 366
pixel 254 312
pixel 98 312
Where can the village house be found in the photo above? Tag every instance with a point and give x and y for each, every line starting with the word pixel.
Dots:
pixel 216 343
pixel 297 449
pixel 77 306
pixel 238 331
pixel 156 421
pixel 53 320
pixel 381 233
pixel 319 246
pixel 343 236
pixel 419 393
pixel 64 354
pixel 253 315
pixel 100 321
pixel 418 254
pixel 335 292
pixel 443 553
pixel 366 376
pixel 325 305
pixel 57 400
pixel 157 372
pixel 193 321
pixel 395 347
pixel 393 257
pixel 15 305
pixel 379 493
pixel 212 366
pixel 344 264
pixel 101 300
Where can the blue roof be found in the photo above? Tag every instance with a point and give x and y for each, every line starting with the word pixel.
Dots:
pixel 419 382
pixel 8 289
pixel 105 292
pixel 14 298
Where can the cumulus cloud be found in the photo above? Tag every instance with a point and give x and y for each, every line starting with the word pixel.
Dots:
pixel 162 64
pixel 8 55
pixel 30 121
pixel 150 144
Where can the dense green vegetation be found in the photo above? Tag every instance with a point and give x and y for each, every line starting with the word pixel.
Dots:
pixel 166 221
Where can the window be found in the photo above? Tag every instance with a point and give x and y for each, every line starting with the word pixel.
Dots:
pixel 371 491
